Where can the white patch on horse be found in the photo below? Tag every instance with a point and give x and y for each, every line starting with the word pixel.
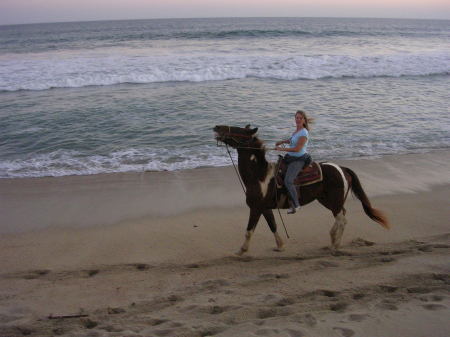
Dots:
pixel 338 229
pixel 265 183
pixel 253 157
pixel 344 180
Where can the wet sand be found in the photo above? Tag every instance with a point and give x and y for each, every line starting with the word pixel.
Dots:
pixel 151 254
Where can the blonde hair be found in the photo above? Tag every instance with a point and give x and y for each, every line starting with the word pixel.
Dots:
pixel 307 120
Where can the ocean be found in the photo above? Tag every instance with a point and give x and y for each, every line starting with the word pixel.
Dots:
pixel 88 98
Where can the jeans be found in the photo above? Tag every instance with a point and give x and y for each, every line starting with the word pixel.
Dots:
pixel 292 171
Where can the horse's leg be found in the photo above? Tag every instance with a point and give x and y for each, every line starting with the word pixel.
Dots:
pixel 255 214
pixel 338 229
pixel 334 202
pixel 268 215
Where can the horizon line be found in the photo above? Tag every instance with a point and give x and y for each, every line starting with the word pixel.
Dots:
pixel 225 17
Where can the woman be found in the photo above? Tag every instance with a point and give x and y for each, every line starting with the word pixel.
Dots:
pixel 296 156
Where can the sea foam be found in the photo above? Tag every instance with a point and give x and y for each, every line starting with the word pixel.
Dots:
pixel 101 70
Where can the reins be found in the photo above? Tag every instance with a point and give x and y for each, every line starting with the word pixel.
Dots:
pixel 237 172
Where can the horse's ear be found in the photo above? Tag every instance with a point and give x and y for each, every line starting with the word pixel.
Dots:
pixel 247 126
pixel 252 132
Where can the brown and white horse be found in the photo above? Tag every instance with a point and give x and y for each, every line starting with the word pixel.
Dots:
pixel 262 196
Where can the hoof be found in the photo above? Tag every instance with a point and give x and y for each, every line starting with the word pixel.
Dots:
pixel 240 252
pixel 278 249
pixel 335 246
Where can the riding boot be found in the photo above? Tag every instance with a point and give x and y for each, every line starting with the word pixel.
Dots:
pixel 293 208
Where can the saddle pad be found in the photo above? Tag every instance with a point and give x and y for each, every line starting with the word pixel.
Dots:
pixel 309 175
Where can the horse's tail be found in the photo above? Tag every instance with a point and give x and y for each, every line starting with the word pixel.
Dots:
pixel 358 191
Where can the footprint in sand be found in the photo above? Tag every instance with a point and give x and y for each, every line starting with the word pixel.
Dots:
pixel 267 332
pixel 442 277
pixel 418 290
pixel 357 317
pixel 284 302
pixel 358 296
pixel 306 319
pixel 344 331
pixel 425 248
pixel 164 332
pixel 35 274
pixel 326 264
pixel 387 306
pixel 295 333
pixel 142 266
pixel 214 284
pixel 273 276
pixel 434 307
pixel 272 312
pixel 358 242
pixel 388 289
pixel 156 321
pixel 92 272
pixel 328 293
pixel 212 330
pixel 339 307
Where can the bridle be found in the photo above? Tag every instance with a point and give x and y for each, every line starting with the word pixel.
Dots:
pixel 235 137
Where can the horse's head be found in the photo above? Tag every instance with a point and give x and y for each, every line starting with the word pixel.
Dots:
pixel 235 136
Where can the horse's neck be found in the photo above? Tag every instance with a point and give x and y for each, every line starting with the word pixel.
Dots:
pixel 252 165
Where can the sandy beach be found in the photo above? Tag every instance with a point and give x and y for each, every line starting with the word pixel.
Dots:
pixel 152 254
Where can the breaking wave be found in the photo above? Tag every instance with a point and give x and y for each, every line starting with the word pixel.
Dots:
pixel 101 70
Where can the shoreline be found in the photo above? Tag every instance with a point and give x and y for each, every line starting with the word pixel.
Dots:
pixel 139 172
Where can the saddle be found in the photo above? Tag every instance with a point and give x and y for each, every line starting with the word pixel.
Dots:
pixel 311 173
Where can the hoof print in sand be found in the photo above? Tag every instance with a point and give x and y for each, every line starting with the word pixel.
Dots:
pixel 418 290
pixel 193 266
pixel 113 311
pixel 387 306
pixel 358 296
pixel 273 312
pixel 434 307
pixel 357 317
pixel 425 248
pixel 442 277
pixel 214 284
pixel 156 321
pixel 306 319
pixel 89 324
pixel 284 302
pixel 326 264
pixel 24 330
pixel 388 289
pixel 361 243
pixel 345 332
pixel 35 274
pixel 92 272
pixel 212 331
pixel 142 266
pixel 339 307
pixel 328 293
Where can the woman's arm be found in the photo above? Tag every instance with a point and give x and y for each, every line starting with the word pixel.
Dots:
pixel 300 143
pixel 287 141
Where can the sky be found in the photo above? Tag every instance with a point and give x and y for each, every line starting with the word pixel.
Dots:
pixel 34 11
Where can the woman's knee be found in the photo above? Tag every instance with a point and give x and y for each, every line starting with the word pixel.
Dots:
pixel 288 181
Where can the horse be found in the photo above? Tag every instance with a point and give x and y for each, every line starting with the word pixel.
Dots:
pixel 262 194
